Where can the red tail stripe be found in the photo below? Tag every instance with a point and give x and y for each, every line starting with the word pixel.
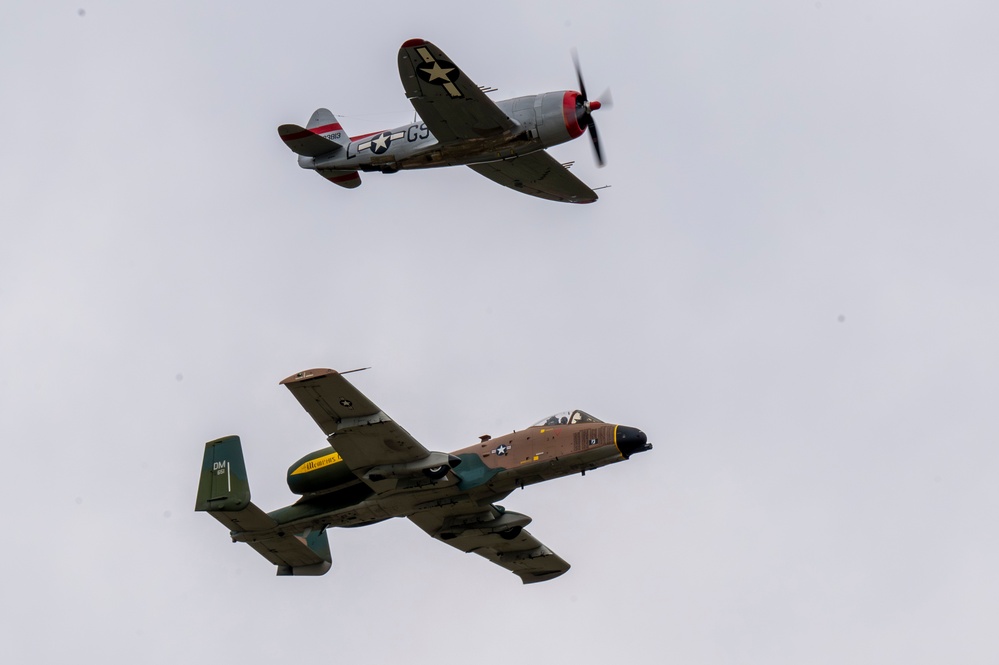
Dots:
pixel 345 178
pixel 315 130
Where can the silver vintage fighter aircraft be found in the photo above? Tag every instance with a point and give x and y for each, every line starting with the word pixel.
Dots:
pixel 459 125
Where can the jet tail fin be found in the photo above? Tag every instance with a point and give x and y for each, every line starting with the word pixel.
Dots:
pixel 224 493
pixel 223 483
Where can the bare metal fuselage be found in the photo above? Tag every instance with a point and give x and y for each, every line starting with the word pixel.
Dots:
pixel 543 120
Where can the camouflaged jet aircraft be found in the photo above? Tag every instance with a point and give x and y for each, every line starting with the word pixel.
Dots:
pixel 459 125
pixel 373 470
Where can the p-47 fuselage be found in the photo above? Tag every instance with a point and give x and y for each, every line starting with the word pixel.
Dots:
pixel 542 121
pixel 459 125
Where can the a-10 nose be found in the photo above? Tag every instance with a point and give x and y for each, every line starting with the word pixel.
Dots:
pixel 631 440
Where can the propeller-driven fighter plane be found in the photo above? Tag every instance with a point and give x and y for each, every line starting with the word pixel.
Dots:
pixel 459 125
pixel 373 470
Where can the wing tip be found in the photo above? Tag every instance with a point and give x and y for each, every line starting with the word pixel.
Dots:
pixel 413 43
pixel 307 374
pixel 532 577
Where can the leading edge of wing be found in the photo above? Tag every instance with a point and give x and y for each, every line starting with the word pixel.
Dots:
pixel 537 174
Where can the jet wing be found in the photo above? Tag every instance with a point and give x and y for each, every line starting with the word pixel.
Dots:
pixel 361 432
pixel 538 174
pixel 453 107
pixel 495 534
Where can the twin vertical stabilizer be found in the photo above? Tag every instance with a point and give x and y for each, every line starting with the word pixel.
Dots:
pixel 224 493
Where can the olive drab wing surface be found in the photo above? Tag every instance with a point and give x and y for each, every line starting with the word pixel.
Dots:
pixel 458 124
pixel 373 470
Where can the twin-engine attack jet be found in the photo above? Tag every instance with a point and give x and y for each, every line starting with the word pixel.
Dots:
pixel 459 125
pixel 374 470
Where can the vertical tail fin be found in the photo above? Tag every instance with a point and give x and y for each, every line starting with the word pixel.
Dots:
pixel 326 125
pixel 318 563
pixel 224 493
pixel 323 136
pixel 223 485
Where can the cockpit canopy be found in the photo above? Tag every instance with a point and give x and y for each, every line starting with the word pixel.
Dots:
pixel 567 418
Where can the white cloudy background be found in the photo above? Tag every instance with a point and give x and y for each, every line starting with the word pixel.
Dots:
pixel 791 286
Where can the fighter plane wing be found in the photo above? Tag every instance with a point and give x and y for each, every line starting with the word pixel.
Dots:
pixel 372 445
pixel 495 534
pixel 453 107
pixel 538 174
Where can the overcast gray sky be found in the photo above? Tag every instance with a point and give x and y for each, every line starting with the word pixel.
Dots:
pixel 791 286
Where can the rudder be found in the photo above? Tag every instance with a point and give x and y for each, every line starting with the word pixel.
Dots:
pixel 325 124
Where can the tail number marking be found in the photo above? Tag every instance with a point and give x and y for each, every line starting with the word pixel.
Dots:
pixel 223 468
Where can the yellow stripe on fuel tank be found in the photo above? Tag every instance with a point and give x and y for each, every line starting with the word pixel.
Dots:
pixel 318 463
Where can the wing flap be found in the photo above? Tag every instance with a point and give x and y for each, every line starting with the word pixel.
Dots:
pixel 494 534
pixel 538 174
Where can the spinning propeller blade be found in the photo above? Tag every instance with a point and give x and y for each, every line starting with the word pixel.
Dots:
pixel 585 109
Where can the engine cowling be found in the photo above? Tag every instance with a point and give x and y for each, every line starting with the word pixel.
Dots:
pixel 558 119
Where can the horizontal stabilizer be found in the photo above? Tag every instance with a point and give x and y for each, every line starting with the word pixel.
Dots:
pixel 348 179
pixel 305 553
pixel 307 142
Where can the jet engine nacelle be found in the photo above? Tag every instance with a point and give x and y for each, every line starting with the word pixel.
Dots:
pixel 433 466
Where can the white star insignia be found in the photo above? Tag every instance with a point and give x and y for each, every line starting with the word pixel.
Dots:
pixel 438 72
pixel 381 142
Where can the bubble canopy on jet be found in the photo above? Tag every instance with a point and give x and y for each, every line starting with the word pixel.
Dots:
pixel 567 418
